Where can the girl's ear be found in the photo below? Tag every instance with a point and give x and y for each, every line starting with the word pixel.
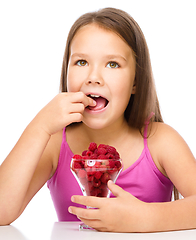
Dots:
pixel 134 89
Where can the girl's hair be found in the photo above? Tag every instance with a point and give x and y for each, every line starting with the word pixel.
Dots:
pixel 145 100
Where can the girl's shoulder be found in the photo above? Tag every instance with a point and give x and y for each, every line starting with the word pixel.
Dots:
pixel 163 138
pixel 160 130
pixel 163 143
pixel 174 157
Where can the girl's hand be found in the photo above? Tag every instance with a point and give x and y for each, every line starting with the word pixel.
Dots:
pixel 125 213
pixel 65 108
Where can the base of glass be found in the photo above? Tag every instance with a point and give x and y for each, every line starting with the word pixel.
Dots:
pixel 83 226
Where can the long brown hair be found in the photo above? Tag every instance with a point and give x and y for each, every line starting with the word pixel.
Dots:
pixel 145 100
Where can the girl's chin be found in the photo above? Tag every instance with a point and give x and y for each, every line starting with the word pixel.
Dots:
pixel 102 121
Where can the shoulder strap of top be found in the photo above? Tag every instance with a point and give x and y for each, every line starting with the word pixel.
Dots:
pixel 64 135
pixel 146 128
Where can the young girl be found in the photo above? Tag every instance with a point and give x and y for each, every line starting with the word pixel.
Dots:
pixel 107 96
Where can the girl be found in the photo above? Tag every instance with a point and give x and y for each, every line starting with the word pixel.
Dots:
pixel 107 96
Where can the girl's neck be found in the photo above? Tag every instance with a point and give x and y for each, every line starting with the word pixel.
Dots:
pixel 122 137
pixel 106 135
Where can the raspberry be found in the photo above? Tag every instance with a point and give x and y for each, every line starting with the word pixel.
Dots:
pixel 77 165
pixel 94 156
pixel 101 151
pixel 101 157
pixel 92 147
pixel 118 164
pixel 105 177
pixel 103 186
pixel 77 156
pixel 97 164
pixel 82 173
pixel 113 173
pixel 96 192
pixel 89 188
pixel 96 150
pixel 83 181
pixel 117 156
pixel 112 164
pixel 111 150
pixel 96 183
pixel 110 156
pixel 102 146
pixel 104 192
pixel 90 178
pixel 84 153
pixel 98 175
pixel 88 154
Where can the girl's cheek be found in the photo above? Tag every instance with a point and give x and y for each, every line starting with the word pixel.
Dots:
pixel 73 83
pixel 76 78
pixel 71 78
pixel 69 84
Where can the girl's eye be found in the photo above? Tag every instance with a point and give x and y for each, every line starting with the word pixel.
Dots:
pixel 112 65
pixel 81 63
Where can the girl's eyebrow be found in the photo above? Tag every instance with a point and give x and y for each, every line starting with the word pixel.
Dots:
pixel 115 57
pixel 81 55
pixel 110 56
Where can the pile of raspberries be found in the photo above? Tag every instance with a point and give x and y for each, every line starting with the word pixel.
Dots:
pixel 99 152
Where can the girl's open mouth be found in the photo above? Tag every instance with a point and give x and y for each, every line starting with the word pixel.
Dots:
pixel 101 102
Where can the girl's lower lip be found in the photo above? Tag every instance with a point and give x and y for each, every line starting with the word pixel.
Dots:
pixel 96 111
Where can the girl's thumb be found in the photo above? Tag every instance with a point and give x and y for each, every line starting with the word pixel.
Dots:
pixel 115 189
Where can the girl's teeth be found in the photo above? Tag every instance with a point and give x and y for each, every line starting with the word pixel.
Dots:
pixel 94 95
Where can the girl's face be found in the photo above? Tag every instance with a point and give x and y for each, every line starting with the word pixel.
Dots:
pixel 102 66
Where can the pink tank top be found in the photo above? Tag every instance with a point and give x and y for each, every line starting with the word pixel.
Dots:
pixel 142 179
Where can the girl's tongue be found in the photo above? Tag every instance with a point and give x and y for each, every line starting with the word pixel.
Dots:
pixel 101 103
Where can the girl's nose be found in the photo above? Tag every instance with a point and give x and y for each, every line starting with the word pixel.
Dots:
pixel 90 81
pixel 95 77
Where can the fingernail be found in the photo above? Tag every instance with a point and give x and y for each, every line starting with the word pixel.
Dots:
pixel 72 198
pixel 69 210
pixel 110 182
pixel 94 102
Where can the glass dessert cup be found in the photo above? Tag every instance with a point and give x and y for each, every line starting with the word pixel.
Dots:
pixel 92 176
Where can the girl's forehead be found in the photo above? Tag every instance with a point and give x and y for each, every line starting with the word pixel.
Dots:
pixel 91 30
pixel 92 37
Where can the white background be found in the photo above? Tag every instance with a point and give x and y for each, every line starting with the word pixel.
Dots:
pixel 32 42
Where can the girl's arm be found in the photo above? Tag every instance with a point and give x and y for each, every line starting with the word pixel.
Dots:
pixel 125 213
pixel 30 163
pixel 16 173
pixel 180 166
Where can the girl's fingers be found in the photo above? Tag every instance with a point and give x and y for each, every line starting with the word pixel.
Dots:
pixel 84 213
pixel 94 202
pixel 76 108
pixel 115 189
pixel 80 97
pixel 92 102
pixel 75 117
pixel 90 201
pixel 95 224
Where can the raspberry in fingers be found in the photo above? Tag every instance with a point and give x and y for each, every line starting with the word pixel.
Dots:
pixel 80 97
pixel 92 102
